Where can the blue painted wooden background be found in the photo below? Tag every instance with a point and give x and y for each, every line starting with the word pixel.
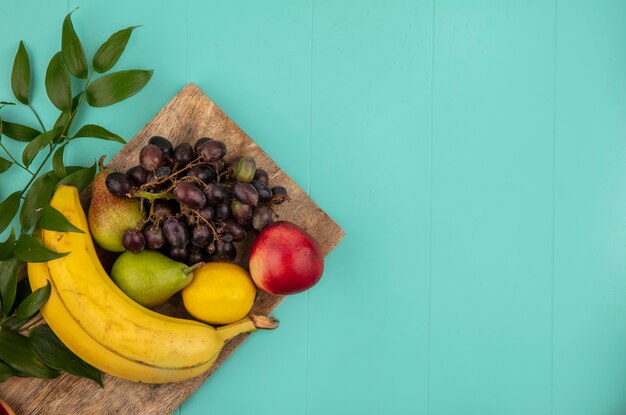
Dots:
pixel 473 150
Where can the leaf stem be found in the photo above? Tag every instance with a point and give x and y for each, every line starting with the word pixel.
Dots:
pixel 64 132
pixel 38 118
pixel 15 161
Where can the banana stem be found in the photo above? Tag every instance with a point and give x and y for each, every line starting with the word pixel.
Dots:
pixel 246 325
pixel 264 322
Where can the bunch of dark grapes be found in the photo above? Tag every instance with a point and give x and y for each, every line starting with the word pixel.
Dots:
pixel 199 205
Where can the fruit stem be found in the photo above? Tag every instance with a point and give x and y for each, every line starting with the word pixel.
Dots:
pixel 101 163
pixel 189 270
pixel 151 196
pixel 264 322
pixel 246 325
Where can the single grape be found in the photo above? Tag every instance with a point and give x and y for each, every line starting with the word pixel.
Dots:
pixel 205 173
pixel 236 230
pixel 200 142
pixel 211 248
pixel 195 256
pixel 261 217
pixel 163 171
pixel 137 175
pixel 232 165
pixel 150 157
pixel 190 195
pixel 215 193
pixel 154 236
pixel 201 235
pixel 179 253
pixel 227 237
pixel 207 212
pixel 246 168
pixel 279 195
pixel 212 150
pixel 262 176
pixel 163 209
pixel 175 232
pixel 222 212
pixel 183 154
pixel 118 184
pixel 226 251
pixel 164 144
pixel 219 165
pixel 241 212
pixel 133 240
pixel 264 191
pixel 220 227
pixel 245 193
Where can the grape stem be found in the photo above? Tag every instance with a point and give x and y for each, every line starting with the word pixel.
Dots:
pixel 175 173
pixel 150 196
pixel 195 213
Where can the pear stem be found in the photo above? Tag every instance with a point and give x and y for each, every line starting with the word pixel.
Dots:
pixel 189 270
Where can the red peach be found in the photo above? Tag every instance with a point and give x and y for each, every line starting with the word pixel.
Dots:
pixel 5 409
pixel 284 259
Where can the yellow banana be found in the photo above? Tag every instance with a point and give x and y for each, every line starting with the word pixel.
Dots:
pixel 79 342
pixel 107 329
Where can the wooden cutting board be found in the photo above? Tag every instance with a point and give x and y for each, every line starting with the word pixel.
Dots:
pixel 188 116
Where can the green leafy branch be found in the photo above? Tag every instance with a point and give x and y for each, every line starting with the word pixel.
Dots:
pixel 27 348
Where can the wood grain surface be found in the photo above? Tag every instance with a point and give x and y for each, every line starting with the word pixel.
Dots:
pixel 187 117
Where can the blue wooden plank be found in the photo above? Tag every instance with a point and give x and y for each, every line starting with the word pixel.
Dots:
pixel 590 283
pixel 159 44
pixel 41 33
pixel 370 144
pixel 492 207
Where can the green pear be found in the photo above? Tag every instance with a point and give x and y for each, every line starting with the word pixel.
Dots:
pixel 149 277
pixel 110 216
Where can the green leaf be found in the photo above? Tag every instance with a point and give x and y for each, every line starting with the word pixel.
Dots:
pixel 20 75
pixel 80 178
pixel 5 165
pixel 19 132
pixel 8 283
pixel 95 131
pixel 37 198
pixel 15 350
pixel 57 163
pixel 23 291
pixel 6 372
pixel 58 83
pixel 31 305
pixel 54 220
pixel 41 141
pixel 73 50
pixel 108 54
pixel 50 350
pixel 62 120
pixel 29 249
pixel 76 100
pixel 6 247
pixel 8 209
pixel 116 87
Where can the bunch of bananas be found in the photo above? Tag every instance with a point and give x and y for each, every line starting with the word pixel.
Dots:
pixel 106 328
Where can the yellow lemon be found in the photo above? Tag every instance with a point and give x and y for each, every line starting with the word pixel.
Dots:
pixel 220 293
